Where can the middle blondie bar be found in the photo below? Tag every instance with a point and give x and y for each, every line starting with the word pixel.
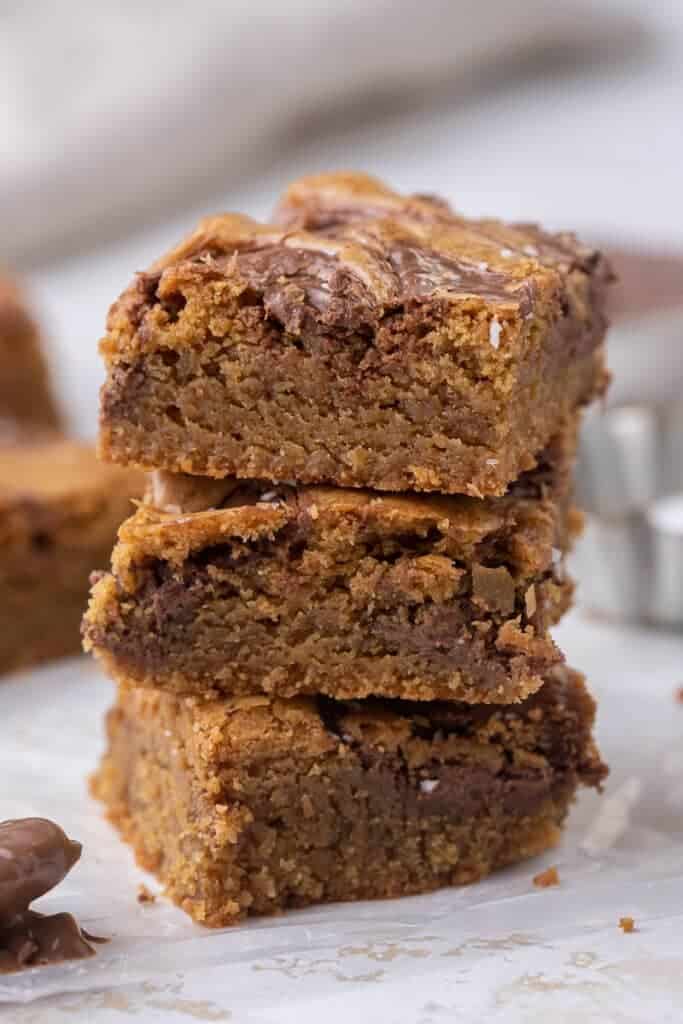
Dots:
pixel 244 588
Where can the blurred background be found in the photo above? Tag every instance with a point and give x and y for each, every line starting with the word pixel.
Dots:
pixel 123 121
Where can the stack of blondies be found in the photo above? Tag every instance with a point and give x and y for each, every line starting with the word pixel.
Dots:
pixel 329 618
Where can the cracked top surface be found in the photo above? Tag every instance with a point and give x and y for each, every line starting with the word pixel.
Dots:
pixel 192 513
pixel 555 722
pixel 344 250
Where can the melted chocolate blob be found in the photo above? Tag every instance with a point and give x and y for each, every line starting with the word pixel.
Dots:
pixel 35 855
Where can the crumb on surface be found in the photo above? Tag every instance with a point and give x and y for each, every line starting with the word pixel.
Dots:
pixel 547 878
pixel 145 895
pixel 627 925
pixel 679 694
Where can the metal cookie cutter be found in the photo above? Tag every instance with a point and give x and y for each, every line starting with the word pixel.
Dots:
pixel 630 482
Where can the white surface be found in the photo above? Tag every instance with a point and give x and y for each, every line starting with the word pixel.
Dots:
pixel 498 951
pixel 667 514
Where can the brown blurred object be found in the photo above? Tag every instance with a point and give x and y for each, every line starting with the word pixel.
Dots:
pixel 26 399
pixel 59 512
pixel 547 878
pixel 648 282
pixel 60 508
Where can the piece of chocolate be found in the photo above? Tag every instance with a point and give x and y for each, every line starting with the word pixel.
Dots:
pixel 35 855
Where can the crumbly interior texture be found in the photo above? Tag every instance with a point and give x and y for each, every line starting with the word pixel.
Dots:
pixel 26 399
pixel 365 339
pixel 59 512
pixel 348 593
pixel 255 805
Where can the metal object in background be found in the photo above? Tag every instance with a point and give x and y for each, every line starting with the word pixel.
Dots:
pixel 630 482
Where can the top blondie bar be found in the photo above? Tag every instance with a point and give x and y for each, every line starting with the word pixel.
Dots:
pixel 363 339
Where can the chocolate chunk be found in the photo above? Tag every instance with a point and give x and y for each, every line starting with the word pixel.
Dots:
pixel 35 855
pixel 179 493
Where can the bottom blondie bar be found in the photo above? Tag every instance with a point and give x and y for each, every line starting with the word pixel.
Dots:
pixel 254 805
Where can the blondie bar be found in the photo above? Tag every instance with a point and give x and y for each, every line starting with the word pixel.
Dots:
pixel 255 587
pixel 255 805
pixel 366 340
pixel 26 399
pixel 59 512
